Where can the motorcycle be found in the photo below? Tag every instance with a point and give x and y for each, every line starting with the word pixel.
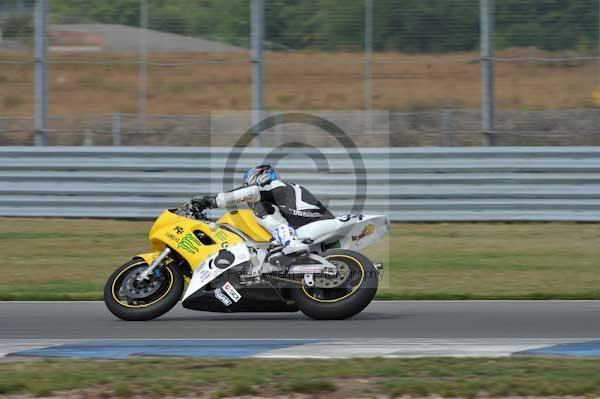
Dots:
pixel 233 265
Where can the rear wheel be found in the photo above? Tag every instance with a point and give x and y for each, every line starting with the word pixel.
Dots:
pixel 129 299
pixel 341 296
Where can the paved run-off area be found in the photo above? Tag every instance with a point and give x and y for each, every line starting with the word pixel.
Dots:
pixel 393 329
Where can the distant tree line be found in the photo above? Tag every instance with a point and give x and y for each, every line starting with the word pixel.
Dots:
pixel 415 26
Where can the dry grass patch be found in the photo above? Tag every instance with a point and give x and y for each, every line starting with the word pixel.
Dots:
pixel 299 80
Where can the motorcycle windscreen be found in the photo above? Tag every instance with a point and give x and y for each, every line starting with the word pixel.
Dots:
pixel 216 265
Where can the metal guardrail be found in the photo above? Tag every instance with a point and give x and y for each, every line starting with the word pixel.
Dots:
pixel 409 184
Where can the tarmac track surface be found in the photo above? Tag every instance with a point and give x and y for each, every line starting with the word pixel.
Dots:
pixel 394 319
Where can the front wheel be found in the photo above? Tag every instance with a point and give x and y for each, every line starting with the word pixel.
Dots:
pixel 129 299
pixel 341 296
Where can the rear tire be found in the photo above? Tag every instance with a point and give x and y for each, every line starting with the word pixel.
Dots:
pixel 158 303
pixel 315 302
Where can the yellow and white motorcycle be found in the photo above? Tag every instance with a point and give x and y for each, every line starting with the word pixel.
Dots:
pixel 232 265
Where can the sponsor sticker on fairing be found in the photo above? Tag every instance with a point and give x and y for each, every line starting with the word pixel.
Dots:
pixel 222 297
pixel 232 292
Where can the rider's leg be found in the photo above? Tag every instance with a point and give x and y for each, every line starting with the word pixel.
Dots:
pixel 271 219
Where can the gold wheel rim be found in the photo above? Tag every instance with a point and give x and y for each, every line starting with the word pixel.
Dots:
pixel 354 289
pixel 171 280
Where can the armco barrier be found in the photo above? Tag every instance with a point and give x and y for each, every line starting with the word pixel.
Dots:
pixel 409 184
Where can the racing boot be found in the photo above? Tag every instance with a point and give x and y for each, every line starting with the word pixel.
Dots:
pixel 286 236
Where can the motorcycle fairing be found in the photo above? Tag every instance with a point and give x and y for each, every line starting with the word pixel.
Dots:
pixel 260 297
pixel 194 240
pixel 216 265
pixel 354 232
pixel 365 233
pixel 245 221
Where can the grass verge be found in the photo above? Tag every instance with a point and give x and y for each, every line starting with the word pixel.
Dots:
pixel 70 259
pixel 446 377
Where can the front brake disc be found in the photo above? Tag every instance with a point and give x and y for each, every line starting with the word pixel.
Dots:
pixel 140 289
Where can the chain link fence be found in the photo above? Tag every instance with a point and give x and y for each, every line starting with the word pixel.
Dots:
pixel 150 72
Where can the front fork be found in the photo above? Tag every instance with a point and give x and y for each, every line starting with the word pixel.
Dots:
pixel 157 262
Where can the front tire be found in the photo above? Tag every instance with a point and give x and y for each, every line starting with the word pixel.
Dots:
pixel 129 301
pixel 335 300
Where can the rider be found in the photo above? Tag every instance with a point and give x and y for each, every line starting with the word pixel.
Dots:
pixel 279 207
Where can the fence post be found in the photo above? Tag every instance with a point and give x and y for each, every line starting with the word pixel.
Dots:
pixel 598 53
pixel 446 125
pixel 368 64
pixel 279 133
pixel 41 73
pixel 487 16
pixel 116 129
pixel 143 60
pixel 257 32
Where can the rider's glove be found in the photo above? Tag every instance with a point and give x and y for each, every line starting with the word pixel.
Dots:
pixel 205 202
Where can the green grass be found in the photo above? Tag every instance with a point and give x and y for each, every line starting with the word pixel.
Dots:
pixel 446 377
pixel 310 387
pixel 70 259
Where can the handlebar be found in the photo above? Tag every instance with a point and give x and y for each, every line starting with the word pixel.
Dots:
pixel 196 206
pixel 190 210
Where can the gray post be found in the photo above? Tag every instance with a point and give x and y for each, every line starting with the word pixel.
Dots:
pixel 368 64
pixel 143 60
pixel 446 125
pixel 41 73
pixel 487 69
pixel 116 129
pixel 279 130
pixel 257 11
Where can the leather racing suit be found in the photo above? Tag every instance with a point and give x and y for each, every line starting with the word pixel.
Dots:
pixel 280 208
